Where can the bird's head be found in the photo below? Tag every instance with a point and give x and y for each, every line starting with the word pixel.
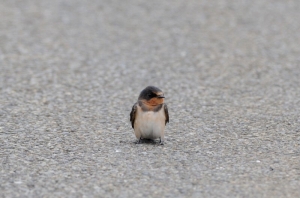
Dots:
pixel 152 96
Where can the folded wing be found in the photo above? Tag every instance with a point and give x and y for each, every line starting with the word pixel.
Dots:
pixel 132 114
pixel 166 113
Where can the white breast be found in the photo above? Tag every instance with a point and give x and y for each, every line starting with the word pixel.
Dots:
pixel 149 124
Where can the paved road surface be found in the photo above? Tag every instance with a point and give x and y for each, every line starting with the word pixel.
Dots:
pixel 70 71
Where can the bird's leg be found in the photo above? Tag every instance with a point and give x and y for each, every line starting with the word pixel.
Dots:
pixel 161 140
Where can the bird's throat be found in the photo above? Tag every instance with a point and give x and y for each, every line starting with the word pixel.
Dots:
pixel 153 101
pixel 152 104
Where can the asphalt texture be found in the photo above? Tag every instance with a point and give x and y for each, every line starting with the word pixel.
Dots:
pixel 70 72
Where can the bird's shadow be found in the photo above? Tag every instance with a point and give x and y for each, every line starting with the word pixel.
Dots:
pixel 147 141
pixel 143 141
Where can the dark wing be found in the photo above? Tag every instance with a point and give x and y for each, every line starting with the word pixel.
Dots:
pixel 132 114
pixel 166 113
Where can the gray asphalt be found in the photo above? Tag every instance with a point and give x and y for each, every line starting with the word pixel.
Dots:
pixel 70 72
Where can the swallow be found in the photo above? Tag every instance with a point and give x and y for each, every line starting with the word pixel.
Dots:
pixel 149 115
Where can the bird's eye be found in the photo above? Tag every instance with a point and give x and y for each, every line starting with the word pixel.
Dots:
pixel 151 95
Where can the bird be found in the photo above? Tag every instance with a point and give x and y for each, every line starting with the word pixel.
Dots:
pixel 149 115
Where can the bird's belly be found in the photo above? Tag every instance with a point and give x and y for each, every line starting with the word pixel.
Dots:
pixel 150 124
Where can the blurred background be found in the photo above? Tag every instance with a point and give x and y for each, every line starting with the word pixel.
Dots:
pixel 70 72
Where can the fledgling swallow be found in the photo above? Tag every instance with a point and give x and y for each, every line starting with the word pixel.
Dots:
pixel 149 115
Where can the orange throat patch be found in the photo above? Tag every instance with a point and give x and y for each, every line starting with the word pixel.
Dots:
pixel 152 103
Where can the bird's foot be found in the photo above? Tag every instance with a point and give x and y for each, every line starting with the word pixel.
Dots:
pixel 139 141
pixel 161 142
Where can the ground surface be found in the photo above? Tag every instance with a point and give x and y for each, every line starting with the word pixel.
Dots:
pixel 70 72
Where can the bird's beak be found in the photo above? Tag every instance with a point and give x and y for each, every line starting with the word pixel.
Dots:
pixel 161 96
